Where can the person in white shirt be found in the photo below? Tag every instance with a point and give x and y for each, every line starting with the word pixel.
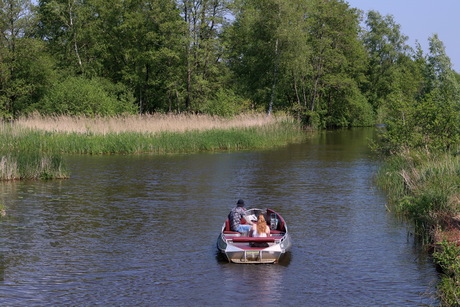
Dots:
pixel 260 229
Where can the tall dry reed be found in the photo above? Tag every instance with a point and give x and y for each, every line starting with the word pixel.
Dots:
pixel 144 123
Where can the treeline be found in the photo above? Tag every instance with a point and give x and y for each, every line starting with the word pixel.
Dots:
pixel 312 58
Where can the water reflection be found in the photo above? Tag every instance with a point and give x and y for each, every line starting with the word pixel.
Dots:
pixel 261 284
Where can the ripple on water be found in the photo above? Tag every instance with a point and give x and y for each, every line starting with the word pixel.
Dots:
pixel 141 231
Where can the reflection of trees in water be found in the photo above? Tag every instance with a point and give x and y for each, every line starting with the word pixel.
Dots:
pixel 7 189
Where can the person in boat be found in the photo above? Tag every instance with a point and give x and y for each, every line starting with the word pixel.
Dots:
pixel 260 229
pixel 235 216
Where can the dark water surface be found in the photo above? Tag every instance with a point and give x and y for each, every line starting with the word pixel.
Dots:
pixel 141 231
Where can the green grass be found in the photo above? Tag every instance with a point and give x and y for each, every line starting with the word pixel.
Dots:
pixel 33 154
pixel 422 184
pixel 425 188
pixel 449 261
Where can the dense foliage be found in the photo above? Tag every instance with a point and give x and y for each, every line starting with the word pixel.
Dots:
pixel 328 63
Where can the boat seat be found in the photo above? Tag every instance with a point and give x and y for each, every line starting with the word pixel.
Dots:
pixel 281 225
pixel 276 232
pixel 227 228
pixel 252 239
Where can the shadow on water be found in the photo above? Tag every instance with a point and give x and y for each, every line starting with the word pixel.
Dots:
pixel 286 259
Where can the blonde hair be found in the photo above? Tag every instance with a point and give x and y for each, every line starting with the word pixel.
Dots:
pixel 261 224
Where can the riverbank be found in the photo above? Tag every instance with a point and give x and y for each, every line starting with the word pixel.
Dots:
pixel 32 148
pixel 425 188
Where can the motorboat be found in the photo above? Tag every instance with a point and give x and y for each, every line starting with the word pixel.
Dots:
pixel 243 248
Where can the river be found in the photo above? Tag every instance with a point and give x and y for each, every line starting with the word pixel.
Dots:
pixel 140 230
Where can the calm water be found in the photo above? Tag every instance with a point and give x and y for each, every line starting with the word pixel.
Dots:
pixel 141 231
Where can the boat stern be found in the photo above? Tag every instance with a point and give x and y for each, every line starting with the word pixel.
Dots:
pixel 240 249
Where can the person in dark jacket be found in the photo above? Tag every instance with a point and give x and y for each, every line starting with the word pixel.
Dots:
pixel 235 217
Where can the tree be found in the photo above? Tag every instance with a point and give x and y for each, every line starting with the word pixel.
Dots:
pixel 439 73
pixel 439 111
pixel 385 45
pixel 255 48
pixel 25 68
pixel 337 66
pixel 301 55
pixel 137 43
pixel 204 20
pixel 144 50
pixel 62 24
pixel 398 111
pixel 423 110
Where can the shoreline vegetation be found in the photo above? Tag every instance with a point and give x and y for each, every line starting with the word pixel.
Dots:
pixel 424 187
pixel 33 147
pixel 338 68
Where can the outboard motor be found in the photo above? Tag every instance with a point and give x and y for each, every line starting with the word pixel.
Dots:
pixel 273 221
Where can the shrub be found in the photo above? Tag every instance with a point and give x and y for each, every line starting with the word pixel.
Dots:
pixel 225 103
pixel 90 97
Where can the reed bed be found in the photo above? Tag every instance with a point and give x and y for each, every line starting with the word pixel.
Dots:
pixel 28 165
pixel 277 134
pixel 22 156
pixel 33 147
pixel 155 123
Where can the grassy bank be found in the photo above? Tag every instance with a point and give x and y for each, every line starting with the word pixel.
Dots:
pixel 32 147
pixel 425 188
